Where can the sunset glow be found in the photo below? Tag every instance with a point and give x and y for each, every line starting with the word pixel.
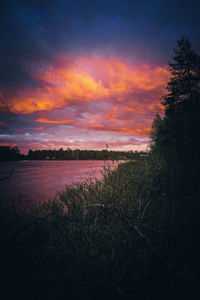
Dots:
pixel 73 78
pixel 93 95
pixel 134 87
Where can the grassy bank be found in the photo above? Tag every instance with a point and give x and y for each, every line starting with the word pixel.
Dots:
pixel 112 239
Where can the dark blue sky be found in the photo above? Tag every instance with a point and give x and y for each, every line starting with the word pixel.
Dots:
pixel 36 36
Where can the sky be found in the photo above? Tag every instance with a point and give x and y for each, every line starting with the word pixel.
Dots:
pixel 86 74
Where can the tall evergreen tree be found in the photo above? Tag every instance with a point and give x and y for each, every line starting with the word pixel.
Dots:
pixel 176 136
pixel 182 103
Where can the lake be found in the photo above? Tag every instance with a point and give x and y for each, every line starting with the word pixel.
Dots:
pixel 32 182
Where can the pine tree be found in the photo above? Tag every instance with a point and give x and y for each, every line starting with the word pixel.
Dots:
pixel 182 102
pixel 156 126
pixel 176 136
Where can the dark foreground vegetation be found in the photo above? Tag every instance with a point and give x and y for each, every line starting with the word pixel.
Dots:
pixel 8 153
pixel 133 235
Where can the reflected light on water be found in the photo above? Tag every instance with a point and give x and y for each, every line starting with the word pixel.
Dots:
pixel 36 181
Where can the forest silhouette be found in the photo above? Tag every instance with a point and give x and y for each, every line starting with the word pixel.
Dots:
pixel 8 153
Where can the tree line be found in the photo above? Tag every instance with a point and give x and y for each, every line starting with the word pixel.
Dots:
pixel 12 153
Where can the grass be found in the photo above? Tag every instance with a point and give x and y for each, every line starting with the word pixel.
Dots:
pixel 108 239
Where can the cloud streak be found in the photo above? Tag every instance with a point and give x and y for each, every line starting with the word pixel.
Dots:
pixel 43 120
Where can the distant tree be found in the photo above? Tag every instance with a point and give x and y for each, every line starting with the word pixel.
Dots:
pixel 9 153
pixel 157 132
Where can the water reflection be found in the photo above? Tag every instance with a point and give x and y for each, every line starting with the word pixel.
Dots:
pixel 36 181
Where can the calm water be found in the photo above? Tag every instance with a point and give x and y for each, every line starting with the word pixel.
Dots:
pixel 37 181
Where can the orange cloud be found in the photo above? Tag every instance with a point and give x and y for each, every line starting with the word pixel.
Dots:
pixel 137 129
pixel 43 120
pixel 90 80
